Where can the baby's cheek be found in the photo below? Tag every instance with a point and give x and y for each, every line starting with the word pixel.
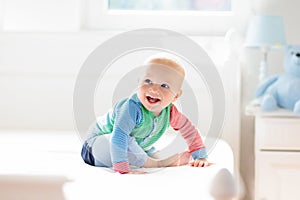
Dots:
pixel 170 96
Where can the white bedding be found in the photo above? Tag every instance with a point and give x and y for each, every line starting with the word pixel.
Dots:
pixel 54 158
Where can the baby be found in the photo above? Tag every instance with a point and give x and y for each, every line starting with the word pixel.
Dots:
pixel 125 136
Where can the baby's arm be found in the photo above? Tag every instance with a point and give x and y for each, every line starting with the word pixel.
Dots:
pixel 196 146
pixel 126 113
pixel 153 162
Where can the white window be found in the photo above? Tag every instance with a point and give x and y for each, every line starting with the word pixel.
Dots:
pixel 189 16
pixel 174 5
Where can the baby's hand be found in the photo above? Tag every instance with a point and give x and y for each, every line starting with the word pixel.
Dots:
pixel 202 162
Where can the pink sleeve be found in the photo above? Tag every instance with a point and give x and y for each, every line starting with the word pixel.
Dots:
pixel 181 123
pixel 121 167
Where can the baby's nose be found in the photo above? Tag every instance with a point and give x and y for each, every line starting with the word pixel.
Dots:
pixel 154 88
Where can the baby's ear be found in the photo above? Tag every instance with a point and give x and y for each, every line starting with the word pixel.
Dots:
pixel 177 95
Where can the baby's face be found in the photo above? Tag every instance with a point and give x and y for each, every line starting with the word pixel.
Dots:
pixel 160 86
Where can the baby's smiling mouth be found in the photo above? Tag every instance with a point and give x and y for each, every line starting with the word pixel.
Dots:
pixel 152 100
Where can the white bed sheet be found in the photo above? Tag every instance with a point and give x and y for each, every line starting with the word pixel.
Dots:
pixel 56 157
pixel 172 183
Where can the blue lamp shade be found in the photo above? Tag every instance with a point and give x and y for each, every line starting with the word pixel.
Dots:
pixel 265 31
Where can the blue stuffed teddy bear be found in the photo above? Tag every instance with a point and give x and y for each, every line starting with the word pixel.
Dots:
pixel 283 90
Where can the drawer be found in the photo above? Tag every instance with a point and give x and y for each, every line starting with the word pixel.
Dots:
pixel 277 133
pixel 277 175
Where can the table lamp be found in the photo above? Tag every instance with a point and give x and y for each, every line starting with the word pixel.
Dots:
pixel 265 33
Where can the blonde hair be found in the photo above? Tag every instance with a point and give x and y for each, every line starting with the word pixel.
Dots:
pixel 168 60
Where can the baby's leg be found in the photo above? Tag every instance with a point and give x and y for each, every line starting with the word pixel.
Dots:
pixel 136 155
pixel 101 152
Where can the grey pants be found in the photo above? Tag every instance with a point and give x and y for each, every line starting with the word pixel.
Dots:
pixel 99 147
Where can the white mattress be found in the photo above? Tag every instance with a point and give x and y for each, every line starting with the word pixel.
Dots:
pixel 52 160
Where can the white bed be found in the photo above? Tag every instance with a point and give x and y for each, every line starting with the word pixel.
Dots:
pixel 47 165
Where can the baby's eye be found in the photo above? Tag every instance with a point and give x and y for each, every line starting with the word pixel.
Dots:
pixel 148 81
pixel 165 86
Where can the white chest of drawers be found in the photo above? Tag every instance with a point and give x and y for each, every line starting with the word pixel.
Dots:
pixel 277 155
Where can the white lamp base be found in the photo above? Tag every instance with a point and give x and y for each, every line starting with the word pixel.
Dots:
pixel 263 70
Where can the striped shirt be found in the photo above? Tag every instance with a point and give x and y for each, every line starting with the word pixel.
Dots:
pixel 130 118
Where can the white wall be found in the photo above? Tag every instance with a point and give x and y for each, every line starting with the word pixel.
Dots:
pixel 38 72
pixel 41 15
